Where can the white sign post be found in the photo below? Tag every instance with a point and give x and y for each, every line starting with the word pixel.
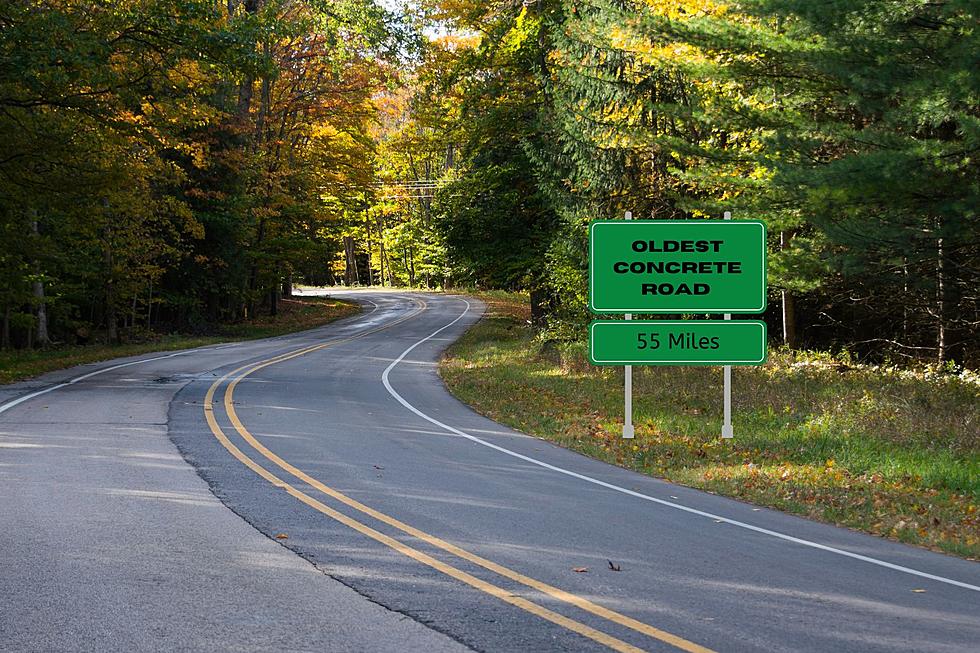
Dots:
pixel 726 428
pixel 628 413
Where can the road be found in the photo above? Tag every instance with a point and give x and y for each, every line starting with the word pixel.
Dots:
pixel 323 491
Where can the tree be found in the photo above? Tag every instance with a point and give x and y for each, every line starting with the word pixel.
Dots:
pixel 870 134
pixel 483 94
pixel 164 162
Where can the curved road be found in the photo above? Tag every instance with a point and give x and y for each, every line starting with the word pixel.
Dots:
pixel 371 511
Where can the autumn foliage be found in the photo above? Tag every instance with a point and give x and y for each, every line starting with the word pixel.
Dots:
pixel 173 164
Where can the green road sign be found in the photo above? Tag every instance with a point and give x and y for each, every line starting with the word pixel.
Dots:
pixel 686 266
pixel 677 342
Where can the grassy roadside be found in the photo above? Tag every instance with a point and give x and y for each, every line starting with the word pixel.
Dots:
pixel 891 452
pixel 296 314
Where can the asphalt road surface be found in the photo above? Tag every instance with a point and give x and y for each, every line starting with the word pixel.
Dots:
pixel 324 492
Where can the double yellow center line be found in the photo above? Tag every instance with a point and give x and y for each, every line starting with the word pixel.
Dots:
pixel 235 376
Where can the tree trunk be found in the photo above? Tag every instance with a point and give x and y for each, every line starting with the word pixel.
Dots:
pixel 350 274
pixel 265 100
pixel 788 303
pixel 367 226
pixel 253 275
pixel 539 307
pixel 905 304
pixel 411 262
pixel 112 330
pixel 391 268
pixel 246 90
pixel 245 96
pixel 381 244
pixel 5 331
pixel 287 286
pixel 942 312
pixel 41 336
pixel 789 320
pixel 450 157
pixel 37 287
pixel 149 307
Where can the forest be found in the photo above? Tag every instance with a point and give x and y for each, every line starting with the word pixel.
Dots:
pixel 172 165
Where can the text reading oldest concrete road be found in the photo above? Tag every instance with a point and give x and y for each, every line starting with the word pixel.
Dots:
pixel 324 492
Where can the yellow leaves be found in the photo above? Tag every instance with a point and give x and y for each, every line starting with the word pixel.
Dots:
pixel 131 118
pixel 196 151
pixel 760 173
pixel 521 32
pixel 456 43
pixel 650 50
pixel 685 9
pixel 325 130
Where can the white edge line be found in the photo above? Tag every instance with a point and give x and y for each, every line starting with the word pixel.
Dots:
pixel 588 479
pixel 16 402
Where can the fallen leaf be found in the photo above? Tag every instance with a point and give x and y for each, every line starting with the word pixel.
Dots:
pixel 919 591
pixel 282 536
pixel 614 567
pixel 580 570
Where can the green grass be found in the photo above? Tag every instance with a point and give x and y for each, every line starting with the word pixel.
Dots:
pixel 295 314
pixel 892 452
